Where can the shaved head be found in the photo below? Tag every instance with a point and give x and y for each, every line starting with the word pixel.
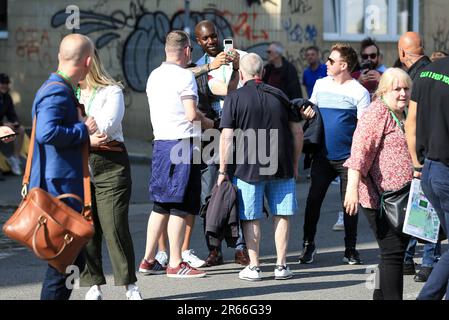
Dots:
pixel 206 34
pixel 75 56
pixel 204 25
pixel 410 48
pixel 411 42
pixel 74 48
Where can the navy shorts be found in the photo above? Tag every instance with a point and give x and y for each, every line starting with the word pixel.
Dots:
pixel 192 197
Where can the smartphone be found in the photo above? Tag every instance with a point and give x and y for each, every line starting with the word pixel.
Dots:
pixel 228 44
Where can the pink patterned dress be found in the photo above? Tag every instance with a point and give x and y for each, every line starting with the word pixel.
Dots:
pixel 379 151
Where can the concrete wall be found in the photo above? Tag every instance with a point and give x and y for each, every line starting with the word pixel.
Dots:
pixel 436 27
pixel 130 37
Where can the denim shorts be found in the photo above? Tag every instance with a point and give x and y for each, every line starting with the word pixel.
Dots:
pixel 280 195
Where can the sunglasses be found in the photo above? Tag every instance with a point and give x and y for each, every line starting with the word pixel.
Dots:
pixel 331 61
pixel 371 55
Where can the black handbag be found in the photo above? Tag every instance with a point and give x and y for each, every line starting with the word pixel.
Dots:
pixel 394 206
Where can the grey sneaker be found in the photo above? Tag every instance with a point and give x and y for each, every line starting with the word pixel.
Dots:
pixel 250 274
pixel 339 225
pixel 282 273
pixel 14 163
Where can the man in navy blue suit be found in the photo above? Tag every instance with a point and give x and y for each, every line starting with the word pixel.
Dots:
pixel 61 131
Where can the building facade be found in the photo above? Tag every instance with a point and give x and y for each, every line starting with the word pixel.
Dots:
pixel 130 35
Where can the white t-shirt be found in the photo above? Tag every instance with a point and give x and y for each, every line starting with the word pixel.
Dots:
pixel 107 106
pixel 167 86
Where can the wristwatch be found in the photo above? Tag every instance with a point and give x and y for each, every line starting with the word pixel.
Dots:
pixel 222 173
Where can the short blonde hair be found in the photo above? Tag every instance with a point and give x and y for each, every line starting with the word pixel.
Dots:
pixel 98 76
pixel 387 80
pixel 176 41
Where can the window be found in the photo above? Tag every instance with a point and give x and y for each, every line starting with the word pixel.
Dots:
pixel 385 20
pixel 3 19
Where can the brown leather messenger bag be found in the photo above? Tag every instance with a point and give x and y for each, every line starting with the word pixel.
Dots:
pixel 50 228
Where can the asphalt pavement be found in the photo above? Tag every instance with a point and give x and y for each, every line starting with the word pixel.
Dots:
pixel 328 278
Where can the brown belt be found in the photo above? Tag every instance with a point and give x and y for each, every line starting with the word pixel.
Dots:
pixel 114 145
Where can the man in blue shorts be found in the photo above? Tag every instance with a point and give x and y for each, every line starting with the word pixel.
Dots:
pixel 256 112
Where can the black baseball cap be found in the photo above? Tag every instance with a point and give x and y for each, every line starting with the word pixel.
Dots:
pixel 4 78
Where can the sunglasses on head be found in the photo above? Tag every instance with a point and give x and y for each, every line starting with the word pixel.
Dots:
pixel 371 55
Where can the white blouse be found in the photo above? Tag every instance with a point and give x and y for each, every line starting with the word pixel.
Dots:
pixel 107 108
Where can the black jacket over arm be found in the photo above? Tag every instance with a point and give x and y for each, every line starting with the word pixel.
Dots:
pixel 221 214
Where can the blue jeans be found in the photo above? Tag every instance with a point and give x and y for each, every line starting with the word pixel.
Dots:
pixel 54 286
pixel 434 182
pixel 431 253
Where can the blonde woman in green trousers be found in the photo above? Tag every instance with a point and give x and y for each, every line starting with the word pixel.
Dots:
pixel 110 171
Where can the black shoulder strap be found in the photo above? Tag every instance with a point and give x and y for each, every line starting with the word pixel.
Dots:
pixel 280 97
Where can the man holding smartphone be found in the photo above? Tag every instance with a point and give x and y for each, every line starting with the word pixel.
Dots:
pixel 222 81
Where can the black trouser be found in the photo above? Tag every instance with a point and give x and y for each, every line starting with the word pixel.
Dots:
pixel 7 149
pixel 322 173
pixel 392 251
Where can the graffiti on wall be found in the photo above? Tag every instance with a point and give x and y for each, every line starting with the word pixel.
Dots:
pixel 441 38
pixel 140 35
pixel 297 33
pixel 259 2
pixel 32 45
pixel 243 25
pixel 299 6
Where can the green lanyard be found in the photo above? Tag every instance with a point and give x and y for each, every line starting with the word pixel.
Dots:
pixel 395 118
pixel 92 97
pixel 222 68
pixel 67 79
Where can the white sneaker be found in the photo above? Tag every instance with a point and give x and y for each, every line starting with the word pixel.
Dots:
pixel 132 293
pixel 190 257
pixel 162 258
pixel 339 225
pixel 14 163
pixel 94 293
pixel 282 273
pixel 251 274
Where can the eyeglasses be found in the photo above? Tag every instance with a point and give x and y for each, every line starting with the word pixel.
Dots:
pixel 371 55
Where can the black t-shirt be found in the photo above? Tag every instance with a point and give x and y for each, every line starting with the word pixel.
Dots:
pixel 255 112
pixel 431 93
